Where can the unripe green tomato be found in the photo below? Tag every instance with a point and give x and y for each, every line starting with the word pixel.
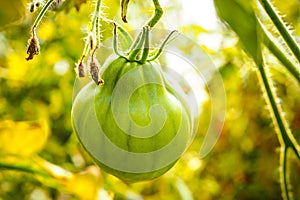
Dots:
pixel 135 126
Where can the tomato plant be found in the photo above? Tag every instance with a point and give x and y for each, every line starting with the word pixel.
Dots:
pixel 128 107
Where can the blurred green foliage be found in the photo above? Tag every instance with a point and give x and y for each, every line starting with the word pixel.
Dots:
pixel 36 100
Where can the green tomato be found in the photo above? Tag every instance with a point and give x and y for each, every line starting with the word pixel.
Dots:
pixel 135 126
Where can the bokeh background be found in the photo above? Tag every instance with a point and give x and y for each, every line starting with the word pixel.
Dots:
pixel 40 156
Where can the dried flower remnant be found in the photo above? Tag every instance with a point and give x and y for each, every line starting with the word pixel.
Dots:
pixel 33 46
pixel 81 69
pixel 94 71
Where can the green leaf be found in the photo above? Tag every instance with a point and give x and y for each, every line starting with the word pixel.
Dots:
pixel 240 16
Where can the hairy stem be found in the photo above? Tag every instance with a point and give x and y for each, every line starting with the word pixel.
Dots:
pixel 95 31
pixel 41 14
pixel 278 22
pixel 96 22
pixel 284 182
pixel 286 138
pixel 279 53
pixel 284 134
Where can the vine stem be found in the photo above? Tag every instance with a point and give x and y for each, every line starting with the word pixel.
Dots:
pixel 278 52
pixel 41 14
pixel 95 30
pixel 158 12
pixel 284 182
pixel 284 134
pixel 96 22
pixel 278 22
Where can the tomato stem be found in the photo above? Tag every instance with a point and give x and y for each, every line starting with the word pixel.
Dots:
pixel 158 12
pixel 279 53
pixel 285 135
pixel 282 28
pixel 41 14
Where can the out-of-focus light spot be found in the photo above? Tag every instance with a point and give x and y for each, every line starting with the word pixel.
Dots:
pixel 212 41
pixel 195 163
pixel 199 12
pixel 61 67
pixel 78 160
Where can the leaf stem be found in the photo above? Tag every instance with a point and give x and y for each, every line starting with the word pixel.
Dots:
pixel 278 22
pixel 286 138
pixel 279 53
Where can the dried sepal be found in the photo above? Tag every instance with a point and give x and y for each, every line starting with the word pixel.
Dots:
pixel 33 46
pixel 81 69
pixel 94 69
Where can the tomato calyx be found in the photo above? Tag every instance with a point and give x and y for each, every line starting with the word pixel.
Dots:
pixel 140 47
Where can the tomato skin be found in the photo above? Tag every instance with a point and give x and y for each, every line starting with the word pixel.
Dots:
pixel 139 113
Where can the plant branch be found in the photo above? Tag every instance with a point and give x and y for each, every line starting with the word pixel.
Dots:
pixel 284 134
pixel 158 12
pixel 278 22
pixel 279 53
pixel 41 14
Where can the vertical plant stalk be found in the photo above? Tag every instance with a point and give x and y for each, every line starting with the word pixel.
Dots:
pixel 278 22
pixel 279 52
pixel 284 134
pixel 96 22
pixel 89 41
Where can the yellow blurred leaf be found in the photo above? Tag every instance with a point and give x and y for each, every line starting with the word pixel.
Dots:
pixel 11 12
pixel 23 138
pixel 85 184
